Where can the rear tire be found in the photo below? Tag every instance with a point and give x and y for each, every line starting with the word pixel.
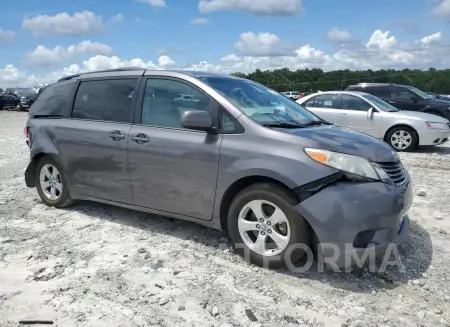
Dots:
pixel 265 228
pixel 51 183
pixel 402 138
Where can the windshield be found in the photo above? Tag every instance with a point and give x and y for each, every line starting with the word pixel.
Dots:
pixel 420 93
pixel 263 105
pixel 380 103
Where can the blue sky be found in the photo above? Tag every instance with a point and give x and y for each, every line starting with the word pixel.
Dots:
pixel 148 29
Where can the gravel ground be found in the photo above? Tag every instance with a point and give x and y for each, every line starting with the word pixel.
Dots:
pixel 98 265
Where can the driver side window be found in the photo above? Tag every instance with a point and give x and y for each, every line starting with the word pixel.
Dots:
pixel 403 95
pixel 351 102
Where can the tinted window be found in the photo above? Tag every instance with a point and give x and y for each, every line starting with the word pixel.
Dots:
pixel 106 100
pixel 403 94
pixel 326 101
pixel 351 102
pixel 163 105
pixel 381 92
pixel 55 100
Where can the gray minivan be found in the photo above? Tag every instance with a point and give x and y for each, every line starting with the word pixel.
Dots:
pixel 241 158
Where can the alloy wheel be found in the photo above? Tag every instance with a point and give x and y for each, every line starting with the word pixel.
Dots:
pixel 264 227
pixel 51 182
pixel 401 140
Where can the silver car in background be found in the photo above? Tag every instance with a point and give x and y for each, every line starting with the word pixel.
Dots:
pixel 403 130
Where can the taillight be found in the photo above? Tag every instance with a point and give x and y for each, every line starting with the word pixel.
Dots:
pixel 26 131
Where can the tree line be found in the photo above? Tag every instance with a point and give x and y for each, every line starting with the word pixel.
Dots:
pixel 313 80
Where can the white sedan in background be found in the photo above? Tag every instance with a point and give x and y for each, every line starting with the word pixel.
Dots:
pixel 403 130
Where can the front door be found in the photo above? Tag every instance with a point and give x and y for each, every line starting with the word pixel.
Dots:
pixel 354 114
pixel 93 143
pixel 173 169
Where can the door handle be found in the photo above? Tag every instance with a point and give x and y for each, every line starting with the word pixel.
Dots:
pixel 140 138
pixel 116 135
pixel 344 115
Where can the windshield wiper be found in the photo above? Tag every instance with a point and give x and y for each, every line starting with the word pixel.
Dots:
pixel 316 123
pixel 282 125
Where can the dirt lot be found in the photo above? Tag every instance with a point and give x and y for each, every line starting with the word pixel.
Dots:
pixel 97 265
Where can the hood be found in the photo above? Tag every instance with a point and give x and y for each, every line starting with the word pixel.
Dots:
pixel 344 140
pixel 438 102
pixel 422 116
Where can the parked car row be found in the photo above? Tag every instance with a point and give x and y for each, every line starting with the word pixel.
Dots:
pixel 17 98
pixel 242 158
pixel 407 119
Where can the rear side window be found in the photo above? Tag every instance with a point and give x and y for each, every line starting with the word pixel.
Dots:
pixel 381 92
pixel 105 100
pixel 55 100
pixel 327 101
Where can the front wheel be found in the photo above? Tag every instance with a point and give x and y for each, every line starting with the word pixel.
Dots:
pixel 265 228
pixel 402 139
pixel 51 183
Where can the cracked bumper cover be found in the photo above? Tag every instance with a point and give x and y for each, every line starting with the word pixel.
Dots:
pixel 343 211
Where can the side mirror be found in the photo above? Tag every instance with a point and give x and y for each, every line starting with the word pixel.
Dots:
pixel 198 120
pixel 414 99
pixel 370 113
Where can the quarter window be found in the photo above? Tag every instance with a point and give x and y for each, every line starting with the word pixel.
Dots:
pixel 106 100
pixel 165 100
pixel 309 103
pixel 350 102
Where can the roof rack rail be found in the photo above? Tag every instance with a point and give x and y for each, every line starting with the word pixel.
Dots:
pixel 66 78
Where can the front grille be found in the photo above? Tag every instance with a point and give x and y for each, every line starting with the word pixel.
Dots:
pixel 395 171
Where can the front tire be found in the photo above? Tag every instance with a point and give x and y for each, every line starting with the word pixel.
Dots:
pixel 402 138
pixel 51 183
pixel 265 228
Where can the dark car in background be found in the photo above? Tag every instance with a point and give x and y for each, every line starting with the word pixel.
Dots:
pixel 8 101
pixel 405 97
pixel 26 96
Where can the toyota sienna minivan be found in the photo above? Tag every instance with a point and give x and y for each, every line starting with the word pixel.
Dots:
pixel 241 158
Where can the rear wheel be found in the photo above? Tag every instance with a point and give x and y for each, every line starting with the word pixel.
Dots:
pixel 51 183
pixel 265 228
pixel 402 138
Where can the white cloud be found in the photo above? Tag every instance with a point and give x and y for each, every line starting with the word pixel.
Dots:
pixel 117 18
pixel 200 20
pixel 336 35
pixel 154 3
pixel 427 40
pixel 165 62
pixel 231 58
pixel 261 45
pixel 260 7
pixel 6 36
pixel 80 23
pixel 43 56
pixel 442 9
pixel 381 51
pixel 381 40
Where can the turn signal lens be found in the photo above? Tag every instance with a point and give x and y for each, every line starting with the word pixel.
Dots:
pixel 318 156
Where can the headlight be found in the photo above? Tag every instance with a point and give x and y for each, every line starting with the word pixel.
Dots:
pixel 348 163
pixel 437 126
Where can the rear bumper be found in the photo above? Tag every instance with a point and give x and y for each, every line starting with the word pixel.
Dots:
pixel 351 219
pixel 434 137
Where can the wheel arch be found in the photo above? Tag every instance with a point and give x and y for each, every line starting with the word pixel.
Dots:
pixel 402 125
pixel 31 168
pixel 244 182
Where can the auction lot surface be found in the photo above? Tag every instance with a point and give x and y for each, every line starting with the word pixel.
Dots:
pixel 98 265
